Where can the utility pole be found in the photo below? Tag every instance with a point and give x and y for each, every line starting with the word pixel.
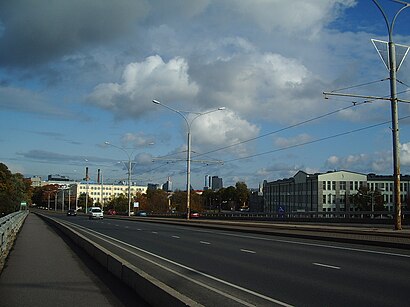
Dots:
pixel 393 68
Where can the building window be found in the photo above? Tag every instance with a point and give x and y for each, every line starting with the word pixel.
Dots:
pixel 324 185
pixel 342 185
pixel 324 199
pixel 329 187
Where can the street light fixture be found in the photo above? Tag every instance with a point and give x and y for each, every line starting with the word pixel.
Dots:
pixel 394 111
pixel 188 159
pixel 128 173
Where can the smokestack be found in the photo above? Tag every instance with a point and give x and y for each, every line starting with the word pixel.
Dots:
pixel 98 176
pixel 86 174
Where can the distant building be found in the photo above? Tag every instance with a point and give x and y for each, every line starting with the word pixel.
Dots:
pixel 328 192
pixel 216 183
pixel 35 181
pixel 101 193
pixel 57 178
pixel 167 186
pixel 312 192
pixel 153 186
pixel 207 184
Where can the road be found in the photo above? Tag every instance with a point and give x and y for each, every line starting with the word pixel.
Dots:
pixel 228 268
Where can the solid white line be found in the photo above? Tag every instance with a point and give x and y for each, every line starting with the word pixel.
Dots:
pixel 326 266
pixel 204 242
pixel 248 251
pixel 176 237
pixel 101 235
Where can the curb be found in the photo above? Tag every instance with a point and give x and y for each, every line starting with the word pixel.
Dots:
pixel 153 291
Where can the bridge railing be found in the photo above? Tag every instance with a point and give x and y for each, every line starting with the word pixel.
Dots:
pixel 9 227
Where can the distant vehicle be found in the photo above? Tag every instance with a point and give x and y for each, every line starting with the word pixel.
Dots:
pixel 71 212
pixel 194 214
pixel 95 213
pixel 111 212
pixel 141 213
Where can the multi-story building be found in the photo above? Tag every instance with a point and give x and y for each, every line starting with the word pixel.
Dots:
pixel 312 192
pixel 101 193
pixel 328 192
pixel 216 183
pixel 385 184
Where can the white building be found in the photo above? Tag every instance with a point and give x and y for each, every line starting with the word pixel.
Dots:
pixel 101 193
pixel 328 192
pixel 319 192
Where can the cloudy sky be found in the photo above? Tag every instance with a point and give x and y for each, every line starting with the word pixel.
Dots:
pixel 76 74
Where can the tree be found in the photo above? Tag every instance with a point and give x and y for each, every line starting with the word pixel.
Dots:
pixel 118 203
pixel 364 198
pixel 157 201
pixel 82 200
pixel 14 189
pixel 242 194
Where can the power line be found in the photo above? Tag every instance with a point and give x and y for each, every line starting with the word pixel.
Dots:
pixel 315 141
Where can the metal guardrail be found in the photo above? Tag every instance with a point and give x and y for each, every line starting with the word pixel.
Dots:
pixel 9 227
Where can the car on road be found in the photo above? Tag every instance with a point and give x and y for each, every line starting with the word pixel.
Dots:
pixel 194 214
pixel 71 212
pixel 95 213
pixel 111 212
pixel 141 213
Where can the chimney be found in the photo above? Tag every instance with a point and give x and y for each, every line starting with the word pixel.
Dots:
pixel 98 176
pixel 86 174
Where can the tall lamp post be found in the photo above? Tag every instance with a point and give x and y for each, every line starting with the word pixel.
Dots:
pixel 188 158
pixel 128 173
pixel 394 111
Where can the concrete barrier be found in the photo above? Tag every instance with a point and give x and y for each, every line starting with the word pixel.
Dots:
pixel 153 291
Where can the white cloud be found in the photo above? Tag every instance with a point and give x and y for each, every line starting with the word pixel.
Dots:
pixel 136 139
pixel 405 154
pixel 143 81
pixel 289 142
pixel 290 16
pixel 221 129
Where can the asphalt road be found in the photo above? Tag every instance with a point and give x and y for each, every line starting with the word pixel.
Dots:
pixel 220 267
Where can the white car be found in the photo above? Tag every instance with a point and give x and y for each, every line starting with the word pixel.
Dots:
pixel 95 213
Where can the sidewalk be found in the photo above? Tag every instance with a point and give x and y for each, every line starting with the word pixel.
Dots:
pixel 42 270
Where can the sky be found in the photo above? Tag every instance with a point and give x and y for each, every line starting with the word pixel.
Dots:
pixel 77 74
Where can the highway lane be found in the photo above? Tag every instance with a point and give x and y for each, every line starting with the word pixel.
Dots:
pixel 269 270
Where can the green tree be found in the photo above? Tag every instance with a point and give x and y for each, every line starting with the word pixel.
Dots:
pixel 242 194
pixel 364 198
pixel 118 203
pixel 14 189
pixel 157 201
pixel 82 200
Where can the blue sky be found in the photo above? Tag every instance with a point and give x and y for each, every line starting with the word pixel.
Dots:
pixel 75 74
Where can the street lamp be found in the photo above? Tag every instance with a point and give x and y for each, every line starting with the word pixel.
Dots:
pixel 188 159
pixel 128 173
pixel 394 111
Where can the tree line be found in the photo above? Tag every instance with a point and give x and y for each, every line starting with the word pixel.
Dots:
pixel 14 190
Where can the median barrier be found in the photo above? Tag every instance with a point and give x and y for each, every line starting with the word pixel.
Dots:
pixel 153 291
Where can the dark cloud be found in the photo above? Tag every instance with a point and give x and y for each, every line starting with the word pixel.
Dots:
pixel 36 31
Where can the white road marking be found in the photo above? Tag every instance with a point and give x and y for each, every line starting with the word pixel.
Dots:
pixel 247 251
pixel 155 233
pixel 308 244
pixel 204 242
pixel 110 240
pixel 176 237
pixel 327 266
